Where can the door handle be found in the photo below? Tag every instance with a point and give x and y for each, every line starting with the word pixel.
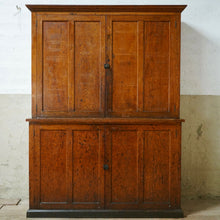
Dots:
pixel 107 66
pixel 105 167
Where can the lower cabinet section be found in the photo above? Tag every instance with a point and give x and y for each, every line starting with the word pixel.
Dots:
pixel 105 167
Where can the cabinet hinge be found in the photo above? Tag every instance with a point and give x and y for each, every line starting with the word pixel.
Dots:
pixel 176 133
pixel 36 108
pixel 34 133
pixel 175 24
pixel 174 108
pixel 36 23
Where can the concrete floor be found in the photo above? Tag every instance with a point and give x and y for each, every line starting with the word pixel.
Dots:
pixel 193 209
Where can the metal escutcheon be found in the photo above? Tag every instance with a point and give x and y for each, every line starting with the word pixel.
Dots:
pixel 105 166
pixel 107 66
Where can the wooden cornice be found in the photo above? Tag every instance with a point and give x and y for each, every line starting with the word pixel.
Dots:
pixel 107 8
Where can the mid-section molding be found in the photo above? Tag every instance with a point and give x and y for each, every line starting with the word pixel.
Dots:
pixel 104 121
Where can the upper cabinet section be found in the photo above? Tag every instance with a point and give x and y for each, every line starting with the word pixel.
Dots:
pixel 97 61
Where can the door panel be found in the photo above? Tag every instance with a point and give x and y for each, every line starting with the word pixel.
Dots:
pixel 124 167
pixel 87 168
pixel 53 170
pixel 156 66
pixel 70 59
pixel 55 65
pixel 125 36
pixel 144 73
pixel 122 178
pixel 156 166
pixel 88 66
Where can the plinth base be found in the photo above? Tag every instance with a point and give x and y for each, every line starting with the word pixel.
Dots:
pixel 42 213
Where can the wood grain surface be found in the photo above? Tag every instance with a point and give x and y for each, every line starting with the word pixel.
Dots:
pixel 141 50
pixel 143 166
pixel 105 132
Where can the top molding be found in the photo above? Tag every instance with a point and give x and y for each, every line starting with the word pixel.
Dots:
pixel 106 8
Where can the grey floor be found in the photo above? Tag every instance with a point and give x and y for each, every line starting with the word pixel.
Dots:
pixel 193 209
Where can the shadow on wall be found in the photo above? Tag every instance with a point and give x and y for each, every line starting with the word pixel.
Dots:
pixel 201 131
pixel 192 46
pixel 199 62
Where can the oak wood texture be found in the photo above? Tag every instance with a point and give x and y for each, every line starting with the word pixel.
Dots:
pixel 67 167
pixel 53 147
pixel 67 162
pixel 143 55
pixel 105 132
pixel 69 78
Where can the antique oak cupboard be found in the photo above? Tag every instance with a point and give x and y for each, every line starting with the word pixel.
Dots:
pixel 105 132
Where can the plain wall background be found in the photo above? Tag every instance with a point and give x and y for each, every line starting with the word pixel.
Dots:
pixel 200 89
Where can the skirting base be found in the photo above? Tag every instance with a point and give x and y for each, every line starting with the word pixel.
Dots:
pixel 42 213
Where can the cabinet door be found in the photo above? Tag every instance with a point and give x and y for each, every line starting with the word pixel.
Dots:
pixel 143 53
pixel 143 167
pixel 66 167
pixel 69 72
pixel 50 167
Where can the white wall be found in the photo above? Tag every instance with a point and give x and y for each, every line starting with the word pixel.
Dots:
pixel 200 44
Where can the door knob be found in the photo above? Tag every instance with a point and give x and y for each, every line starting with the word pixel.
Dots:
pixel 105 166
pixel 107 66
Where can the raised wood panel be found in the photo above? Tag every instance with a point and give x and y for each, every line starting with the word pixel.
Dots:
pixel 156 66
pixel 55 59
pixel 124 167
pixel 53 166
pixel 87 162
pixel 156 163
pixel 88 66
pixel 124 65
pixel 122 178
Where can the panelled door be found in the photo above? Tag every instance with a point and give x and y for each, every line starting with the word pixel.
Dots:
pixel 142 167
pixel 143 77
pixel 69 67
pixel 66 167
